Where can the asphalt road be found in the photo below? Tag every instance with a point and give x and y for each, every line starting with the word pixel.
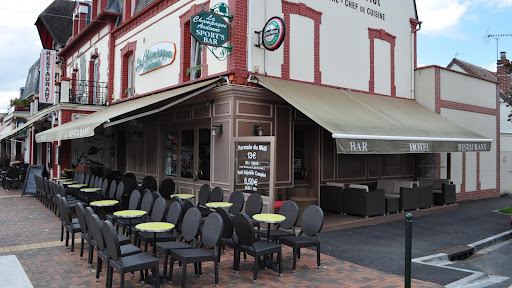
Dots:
pixel 382 246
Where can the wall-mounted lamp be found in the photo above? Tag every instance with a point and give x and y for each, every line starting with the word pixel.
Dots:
pixel 258 130
pixel 216 128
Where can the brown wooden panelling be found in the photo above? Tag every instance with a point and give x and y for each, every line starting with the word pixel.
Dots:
pixel 151 142
pixel 373 166
pixel 201 112
pixel 222 109
pixel 328 156
pixel 300 116
pixel 246 128
pixel 183 114
pixel 220 154
pixel 283 145
pixel 246 108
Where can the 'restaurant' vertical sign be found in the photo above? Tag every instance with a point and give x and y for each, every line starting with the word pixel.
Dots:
pixel 47 72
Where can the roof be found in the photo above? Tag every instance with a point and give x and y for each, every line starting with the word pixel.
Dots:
pixel 58 19
pixel 115 6
pixel 473 70
pixel 32 83
pixel 141 4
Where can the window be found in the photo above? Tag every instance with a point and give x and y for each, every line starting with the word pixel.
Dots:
pixel 129 88
pixel 204 154
pixel 195 59
pixel 127 69
pixel 171 147
pixel 187 153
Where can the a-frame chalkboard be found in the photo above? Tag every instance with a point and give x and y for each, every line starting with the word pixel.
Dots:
pixel 29 187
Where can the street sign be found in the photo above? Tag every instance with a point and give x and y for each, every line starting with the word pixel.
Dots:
pixel 209 29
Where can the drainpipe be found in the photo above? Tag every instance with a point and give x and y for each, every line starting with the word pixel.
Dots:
pixel 413 48
pixel 249 34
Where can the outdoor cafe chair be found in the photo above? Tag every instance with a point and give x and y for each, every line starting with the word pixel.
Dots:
pixel 228 238
pixel 167 188
pixel 187 204
pixel 85 235
pixel 95 226
pixel 290 210
pixel 238 201
pixel 81 178
pixel 69 225
pixel 312 222
pixel 149 182
pixel 217 195
pixel 104 188
pixel 157 215
pixel 253 206
pixel 124 264
pixel 112 190
pixel 187 240
pixel 146 204
pixel 212 230
pixel 204 197
pixel 247 243
pixel 87 180
pixel 133 204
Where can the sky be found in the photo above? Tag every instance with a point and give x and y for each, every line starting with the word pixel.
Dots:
pixel 451 28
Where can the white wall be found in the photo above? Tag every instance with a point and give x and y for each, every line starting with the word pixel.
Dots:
pixel 302 48
pixel 425 87
pixel 344 42
pixel 382 67
pixel 466 89
pixel 485 125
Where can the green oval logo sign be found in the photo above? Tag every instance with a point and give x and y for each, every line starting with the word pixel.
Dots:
pixel 274 33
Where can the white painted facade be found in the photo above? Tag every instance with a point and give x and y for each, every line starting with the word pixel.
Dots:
pixel 506 149
pixel 344 44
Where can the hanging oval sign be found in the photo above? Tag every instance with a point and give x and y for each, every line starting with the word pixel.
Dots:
pixel 209 29
pixel 274 33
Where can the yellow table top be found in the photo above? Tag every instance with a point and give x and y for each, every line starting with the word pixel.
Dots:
pixel 89 189
pixel 269 218
pixel 104 203
pixel 130 213
pixel 218 204
pixel 184 196
pixel 77 185
pixel 69 182
pixel 63 179
pixel 154 227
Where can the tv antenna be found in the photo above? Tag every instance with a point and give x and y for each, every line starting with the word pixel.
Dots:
pixel 497 37
pixel 457 53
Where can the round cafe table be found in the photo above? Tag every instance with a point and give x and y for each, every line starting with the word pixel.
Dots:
pixel 129 214
pixel 269 218
pixel 155 227
pixel 102 204
pixel 63 179
pixel 69 182
pixel 215 205
pixel 184 196
pixel 77 186
pixel 89 190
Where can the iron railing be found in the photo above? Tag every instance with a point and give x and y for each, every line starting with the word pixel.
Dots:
pixel 88 92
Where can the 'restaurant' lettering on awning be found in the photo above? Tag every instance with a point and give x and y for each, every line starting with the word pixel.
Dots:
pixel 472 147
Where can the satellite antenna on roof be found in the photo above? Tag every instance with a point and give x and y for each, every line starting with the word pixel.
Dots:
pixel 497 37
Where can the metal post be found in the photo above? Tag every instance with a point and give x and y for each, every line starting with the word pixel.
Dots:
pixel 408 247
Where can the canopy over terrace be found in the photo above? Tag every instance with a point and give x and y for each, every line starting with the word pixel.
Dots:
pixel 364 123
pixel 84 127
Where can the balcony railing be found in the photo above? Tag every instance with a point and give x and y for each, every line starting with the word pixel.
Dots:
pixel 88 92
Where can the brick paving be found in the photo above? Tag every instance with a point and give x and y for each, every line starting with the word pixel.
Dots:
pixel 32 233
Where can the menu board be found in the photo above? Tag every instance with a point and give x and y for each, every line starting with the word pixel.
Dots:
pixel 252 167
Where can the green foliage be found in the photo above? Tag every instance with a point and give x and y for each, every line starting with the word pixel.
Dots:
pixel 506 210
pixel 194 69
pixel 19 102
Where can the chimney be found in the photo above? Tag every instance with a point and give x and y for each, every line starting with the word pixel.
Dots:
pixel 503 73
pixel 80 17
pixel 127 10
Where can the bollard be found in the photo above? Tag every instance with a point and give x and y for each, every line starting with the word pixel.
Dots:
pixel 408 248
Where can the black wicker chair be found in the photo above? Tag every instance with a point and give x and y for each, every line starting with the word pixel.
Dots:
pixel 446 196
pixel 149 182
pixel 167 188
pixel 85 235
pixel 212 229
pixel 312 222
pixel 69 225
pixel 253 206
pixel 217 195
pixel 237 198
pixel 191 225
pixel 95 227
pixel 247 243
pixel 290 210
pixel 228 238
pixel 124 264
pixel 204 197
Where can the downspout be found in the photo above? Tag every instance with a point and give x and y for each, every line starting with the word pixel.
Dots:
pixel 249 35
pixel 413 64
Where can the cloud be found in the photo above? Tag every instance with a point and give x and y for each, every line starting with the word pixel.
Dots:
pixel 441 16
pixel 5 96
pixel 491 67
pixel 497 3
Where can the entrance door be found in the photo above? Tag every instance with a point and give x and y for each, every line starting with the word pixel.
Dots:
pixel 95 96
pixel 189 162
pixel 303 156
pixel 121 151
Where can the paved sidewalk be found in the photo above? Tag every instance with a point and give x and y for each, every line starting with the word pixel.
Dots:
pixel 31 232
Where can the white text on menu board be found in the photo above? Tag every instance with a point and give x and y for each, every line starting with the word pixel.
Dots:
pixel 252 167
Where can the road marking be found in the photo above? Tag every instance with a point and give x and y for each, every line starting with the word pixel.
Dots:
pixel 12 273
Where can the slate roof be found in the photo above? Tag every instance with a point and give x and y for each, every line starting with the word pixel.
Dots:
pixel 58 19
pixel 32 83
pixel 116 7
pixel 141 4
pixel 473 69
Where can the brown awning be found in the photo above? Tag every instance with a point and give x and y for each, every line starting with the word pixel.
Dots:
pixel 364 123
pixel 84 127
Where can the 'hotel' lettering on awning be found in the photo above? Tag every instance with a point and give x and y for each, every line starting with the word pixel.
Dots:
pixel 419 147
